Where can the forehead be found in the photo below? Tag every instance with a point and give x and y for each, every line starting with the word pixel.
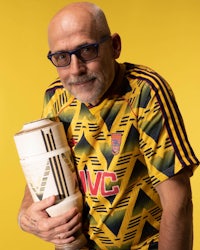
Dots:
pixel 69 31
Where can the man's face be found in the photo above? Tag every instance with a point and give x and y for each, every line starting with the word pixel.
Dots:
pixel 87 81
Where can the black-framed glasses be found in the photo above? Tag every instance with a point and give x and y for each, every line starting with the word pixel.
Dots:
pixel 84 53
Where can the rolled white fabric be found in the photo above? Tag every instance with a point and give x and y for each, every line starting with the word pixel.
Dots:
pixel 48 167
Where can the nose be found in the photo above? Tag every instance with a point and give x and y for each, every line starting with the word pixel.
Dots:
pixel 77 67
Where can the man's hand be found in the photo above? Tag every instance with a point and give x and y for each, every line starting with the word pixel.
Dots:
pixel 58 230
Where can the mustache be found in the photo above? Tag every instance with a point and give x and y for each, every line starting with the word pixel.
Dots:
pixel 81 79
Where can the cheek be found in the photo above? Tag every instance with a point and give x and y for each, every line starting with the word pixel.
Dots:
pixel 108 71
pixel 62 73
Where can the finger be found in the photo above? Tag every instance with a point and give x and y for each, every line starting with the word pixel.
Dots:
pixel 67 237
pixel 69 225
pixel 61 234
pixel 63 241
pixel 44 204
pixel 73 214
pixel 65 231
pixel 51 226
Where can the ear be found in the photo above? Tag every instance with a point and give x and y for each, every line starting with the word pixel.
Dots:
pixel 116 44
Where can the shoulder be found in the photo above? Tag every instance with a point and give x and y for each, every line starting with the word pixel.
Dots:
pixel 141 76
pixel 56 93
pixel 53 88
pixel 142 72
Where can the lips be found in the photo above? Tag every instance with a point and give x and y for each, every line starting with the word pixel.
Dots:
pixel 82 82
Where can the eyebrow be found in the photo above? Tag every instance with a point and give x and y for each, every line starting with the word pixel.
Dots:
pixel 76 48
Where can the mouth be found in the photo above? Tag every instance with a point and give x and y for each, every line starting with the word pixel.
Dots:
pixel 83 82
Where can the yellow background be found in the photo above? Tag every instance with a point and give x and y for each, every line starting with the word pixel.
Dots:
pixel 164 35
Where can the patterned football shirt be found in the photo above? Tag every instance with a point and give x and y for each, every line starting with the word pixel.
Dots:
pixel 123 147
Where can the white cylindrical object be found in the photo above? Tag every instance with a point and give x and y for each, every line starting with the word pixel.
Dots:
pixel 48 167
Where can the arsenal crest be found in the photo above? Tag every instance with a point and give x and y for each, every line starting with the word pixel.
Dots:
pixel 116 142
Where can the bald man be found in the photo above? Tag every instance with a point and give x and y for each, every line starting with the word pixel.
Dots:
pixel 128 141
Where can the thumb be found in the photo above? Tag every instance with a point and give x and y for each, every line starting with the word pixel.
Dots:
pixel 45 203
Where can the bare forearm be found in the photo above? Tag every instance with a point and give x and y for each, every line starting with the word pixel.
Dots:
pixel 27 199
pixel 26 202
pixel 176 231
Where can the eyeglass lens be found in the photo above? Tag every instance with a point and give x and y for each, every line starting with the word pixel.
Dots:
pixel 86 53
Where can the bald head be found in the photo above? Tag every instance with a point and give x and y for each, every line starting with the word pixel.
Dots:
pixel 79 32
pixel 78 17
